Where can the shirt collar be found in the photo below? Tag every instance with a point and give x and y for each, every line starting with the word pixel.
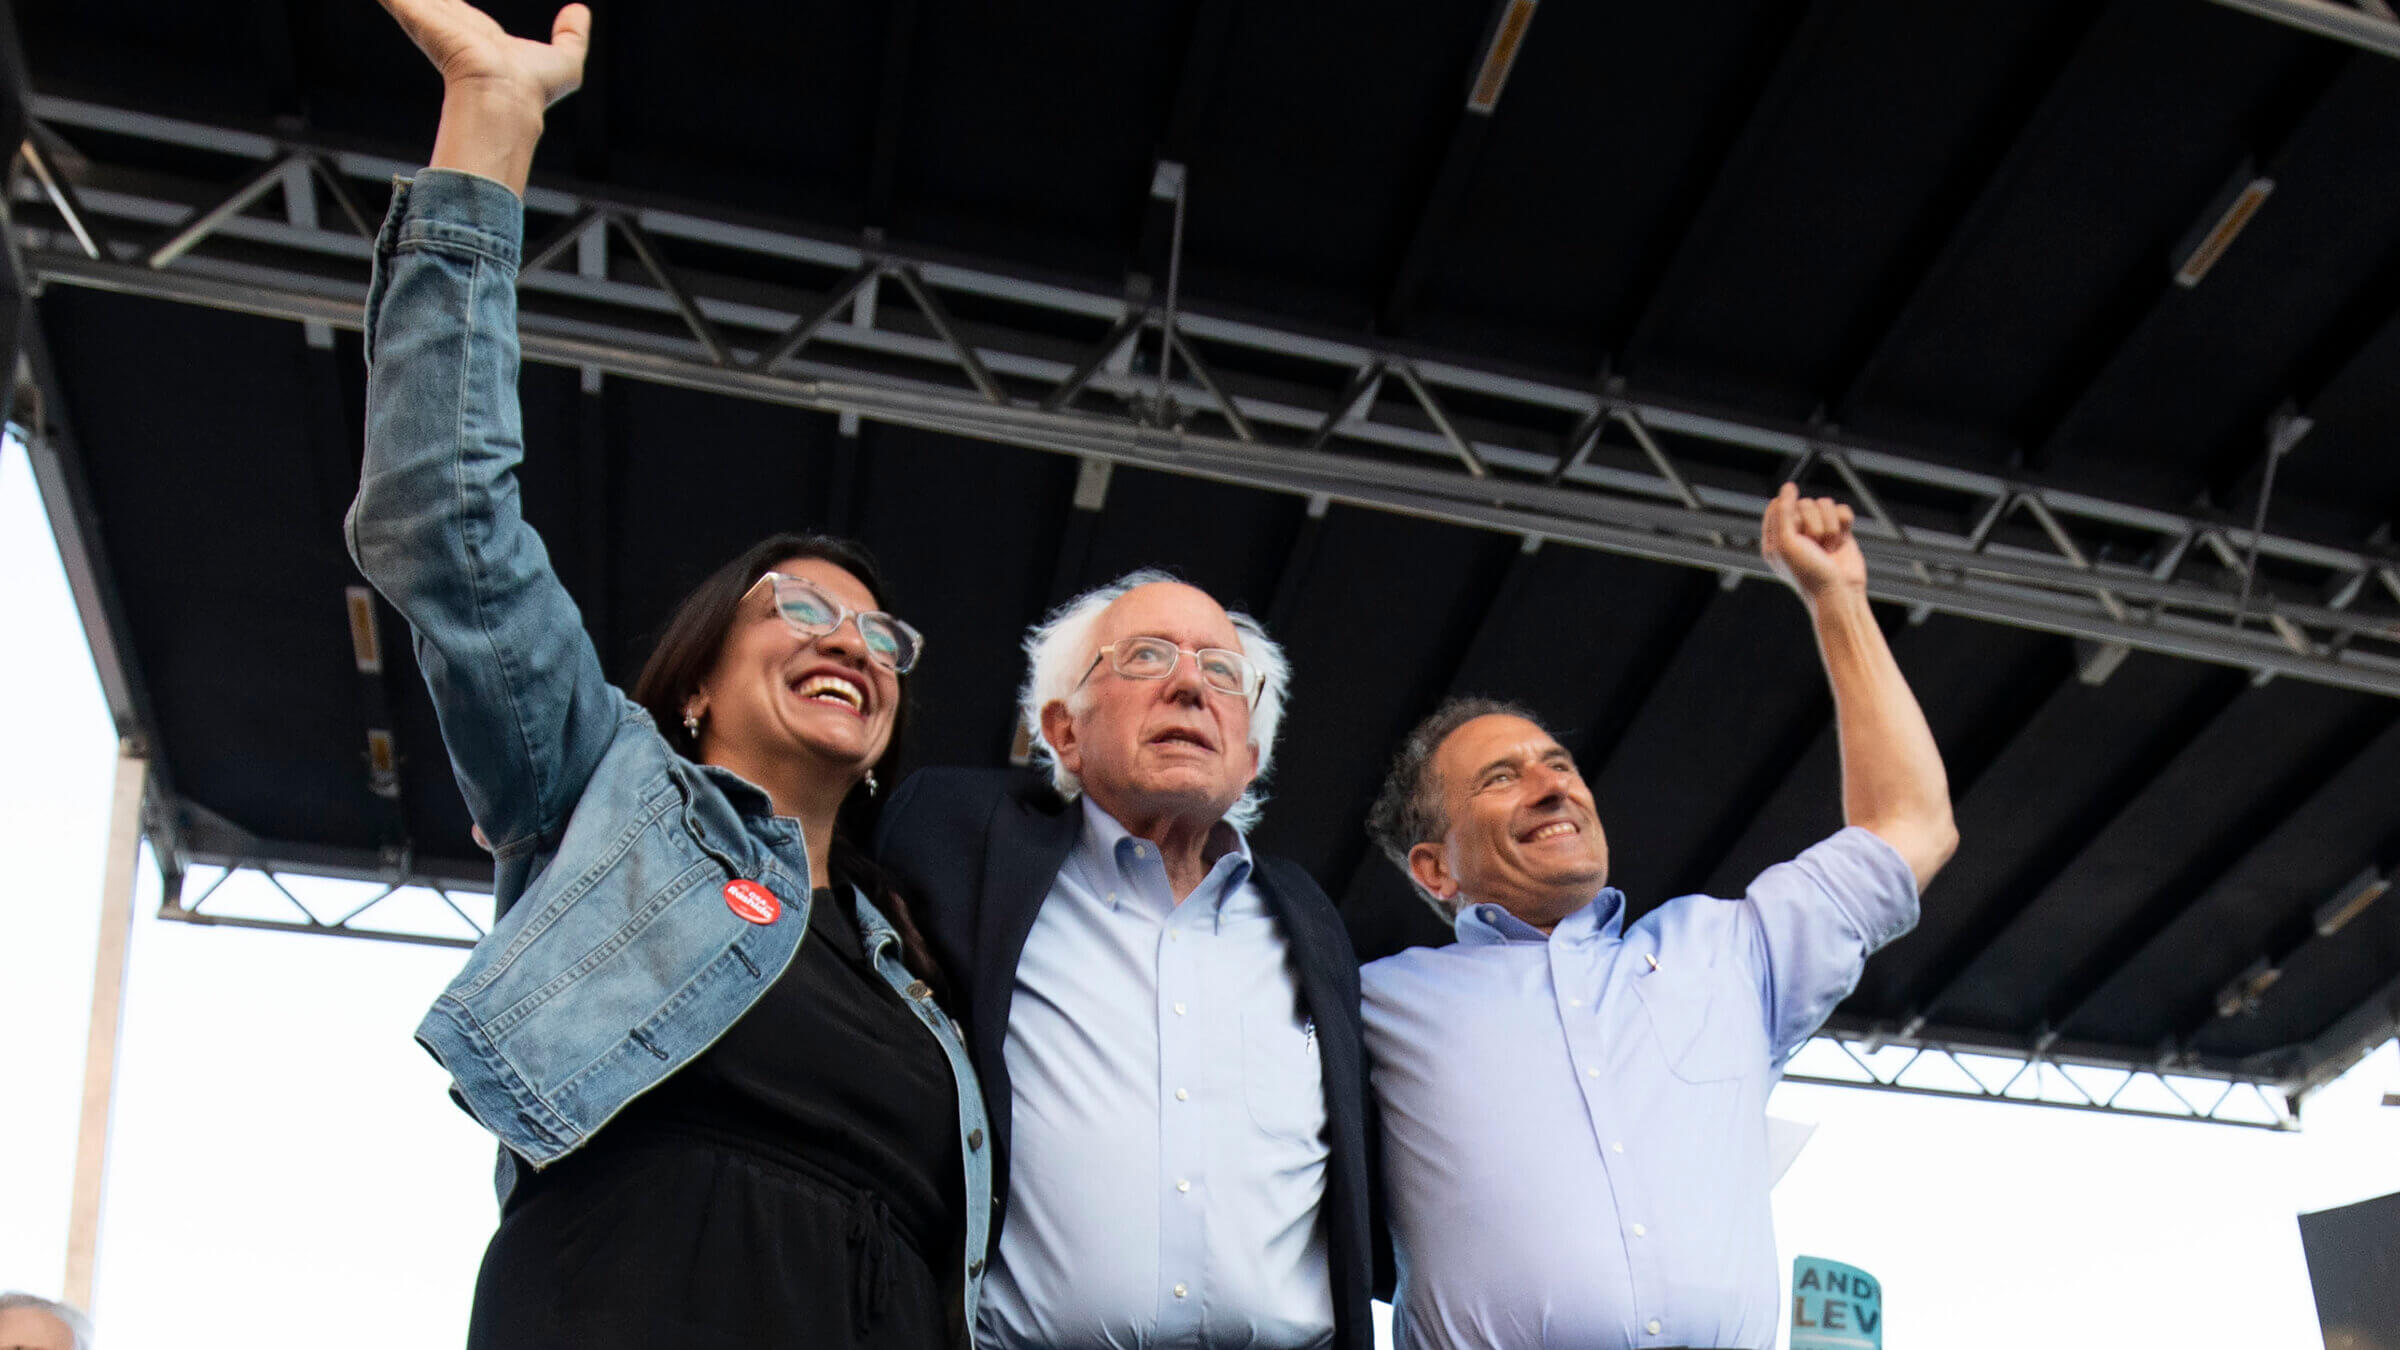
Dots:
pixel 1484 925
pixel 1109 845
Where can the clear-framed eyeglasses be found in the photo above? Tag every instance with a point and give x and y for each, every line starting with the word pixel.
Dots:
pixel 813 613
pixel 1152 658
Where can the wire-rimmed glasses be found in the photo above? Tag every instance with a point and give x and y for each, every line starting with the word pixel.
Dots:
pixel 1154 658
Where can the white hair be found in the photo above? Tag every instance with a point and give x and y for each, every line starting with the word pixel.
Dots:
pixel 77 1325
pixel 1059 649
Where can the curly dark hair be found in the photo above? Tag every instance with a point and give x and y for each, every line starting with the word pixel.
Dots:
pixel 1408 811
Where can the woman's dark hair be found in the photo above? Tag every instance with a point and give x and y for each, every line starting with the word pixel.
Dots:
pixel 687 651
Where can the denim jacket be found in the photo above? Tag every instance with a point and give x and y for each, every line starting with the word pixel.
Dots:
pixel 616 957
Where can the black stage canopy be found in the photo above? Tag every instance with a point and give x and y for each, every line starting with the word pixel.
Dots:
pixel 1491 326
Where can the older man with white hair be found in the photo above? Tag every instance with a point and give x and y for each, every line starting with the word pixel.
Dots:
pixel 1166 1024
pixel 31 1323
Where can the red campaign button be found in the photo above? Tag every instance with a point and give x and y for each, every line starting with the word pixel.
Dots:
pixel 751 901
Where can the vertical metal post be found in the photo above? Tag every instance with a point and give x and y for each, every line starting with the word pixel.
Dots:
pixel 108 1011
pixel 1167 182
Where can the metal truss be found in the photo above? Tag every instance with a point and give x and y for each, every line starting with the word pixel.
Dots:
pixel 402 907
pixel 2365 24
pixel 276 897
pixel 1840 1058
pixel 621 285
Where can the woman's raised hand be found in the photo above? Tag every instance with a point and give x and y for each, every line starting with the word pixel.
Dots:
pixel 495 86
pixel 467 47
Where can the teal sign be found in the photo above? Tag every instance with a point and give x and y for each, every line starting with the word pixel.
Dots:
pixel 1835 1307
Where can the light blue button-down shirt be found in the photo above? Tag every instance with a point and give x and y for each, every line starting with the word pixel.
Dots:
pixel 1574 1125
pixel 1167 1147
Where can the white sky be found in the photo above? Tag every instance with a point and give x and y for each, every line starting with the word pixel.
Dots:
pixel 287 1173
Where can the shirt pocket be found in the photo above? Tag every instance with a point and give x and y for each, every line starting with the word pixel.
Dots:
pixel 1701 1032
pixel 1283 1077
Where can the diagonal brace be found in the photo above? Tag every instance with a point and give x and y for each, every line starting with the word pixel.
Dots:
pixel 204 223
pixel 939 316
pixel 61 193
pixel 797 336
pixel 647 252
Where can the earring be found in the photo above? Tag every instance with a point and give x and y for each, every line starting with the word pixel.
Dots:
pixel 691 725
pixel 870 782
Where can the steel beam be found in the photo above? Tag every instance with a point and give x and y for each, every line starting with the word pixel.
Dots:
pixel 205 222
pixel 2347 1041
pixel 59 189
pixel 208 840
pixel 221 846
pixel 2272 1087
pixel 2359 28
pixel 2066 1052
pixel 1301 433
pixel 1306 435
pixel 2003 585
pixel 1867 1066
pixel 1488 379
pixel 74 524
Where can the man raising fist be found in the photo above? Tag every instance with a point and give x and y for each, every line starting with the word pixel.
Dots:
pixel 1574 1108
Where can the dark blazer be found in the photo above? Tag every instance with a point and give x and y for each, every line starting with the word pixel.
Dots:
pixel 976 851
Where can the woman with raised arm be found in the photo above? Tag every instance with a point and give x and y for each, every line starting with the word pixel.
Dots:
pixel 703 1025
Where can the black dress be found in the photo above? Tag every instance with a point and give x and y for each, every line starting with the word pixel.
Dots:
pixel 797 1184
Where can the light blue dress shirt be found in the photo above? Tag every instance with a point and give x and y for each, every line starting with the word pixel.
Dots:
pixel 1167 1151
pixel 1575 1144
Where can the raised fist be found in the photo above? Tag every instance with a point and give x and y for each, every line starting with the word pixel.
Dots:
pixel 1807 541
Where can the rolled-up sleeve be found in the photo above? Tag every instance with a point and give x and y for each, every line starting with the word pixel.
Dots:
pixel 1819 917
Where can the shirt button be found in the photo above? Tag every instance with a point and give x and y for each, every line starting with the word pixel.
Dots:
pixel 1180 1291
pixel 1616 1148
pixel 975 1267
pixel 1182 1096
pixel 1651 1326
pixel 1574 1003
pixel 1179 1010
pixel 1140 852
pixel 1591 1073
pixel 919 989
pixel 1639 1231
pixel 1182 1185
pixel 974 1140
